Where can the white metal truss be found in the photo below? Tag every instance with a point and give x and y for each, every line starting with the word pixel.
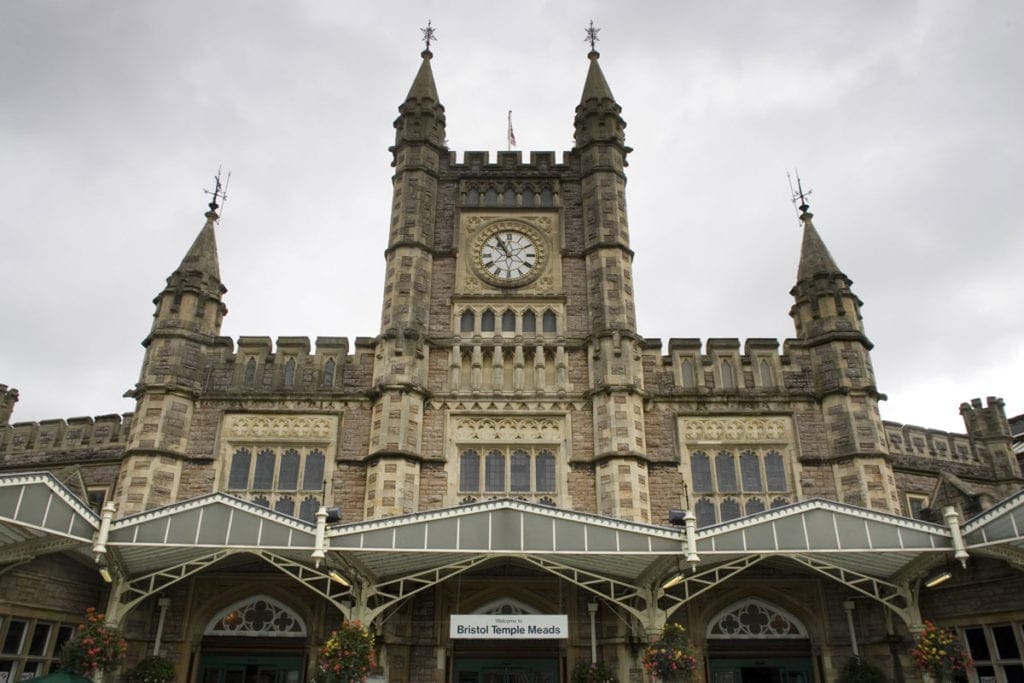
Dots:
pixel 629 597
pixel 374 600
pixel 128 593
pixel 315 580
pixel 700 582
pixel 899 598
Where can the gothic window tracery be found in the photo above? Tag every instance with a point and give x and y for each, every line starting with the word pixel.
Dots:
pixel 723 496
pixel 753 618
pixel 288 480
pixel 257 616
pixel 508 470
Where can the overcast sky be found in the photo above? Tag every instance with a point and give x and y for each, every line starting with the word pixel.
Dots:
pixel 904 118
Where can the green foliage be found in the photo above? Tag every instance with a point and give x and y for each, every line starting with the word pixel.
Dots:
pixel 347 655
pixel 586 672
pixel 94 647
pixel 859 670
pixel 152 669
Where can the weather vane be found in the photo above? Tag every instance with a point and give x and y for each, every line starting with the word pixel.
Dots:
pixel 219 191
pixel 428 34
pixel 798 193
pixel 592 36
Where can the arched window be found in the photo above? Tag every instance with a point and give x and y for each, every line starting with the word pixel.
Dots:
pixel 529 321
pixel 308 508
pixel 750 471
pixel 313 475
pixel 262 501
pixel 289 372
pixel 473 197
pixel 510 197
pixel 705 512
pixel 753 618
pixel 728 377
pixel 508 321
pixel 700 472
pixel 494 471
pixel 469 471
pixel 545 197
pixel 329 373
pixel 730 509
pixel 545 471
pixel 491 198
pixel 549 322
pixel 239 475
pixel 250 371
pixel 689 379
pixel 285 505
pixel 520 471
pixel 527 197
pixel 487 321
pixel 725 468
pixel 779 502
pixel 467 322
pixel 775 471
pixel 288 477
pixel 263 476
pixel 257 616
pixel 753 506
pixel 767 376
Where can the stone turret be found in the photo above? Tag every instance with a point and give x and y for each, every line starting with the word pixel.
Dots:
pixel 8 397
pixel 616 375
pixel 992 440
pixel 401 361
pixel 188 317
pixel 828 323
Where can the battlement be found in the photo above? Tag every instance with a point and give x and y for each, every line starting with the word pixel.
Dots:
pixel 986 421
pixel 720 363
pixel 508 163
pixel 74 434
pixel 904 439
pixel 8 397
pixel 291 364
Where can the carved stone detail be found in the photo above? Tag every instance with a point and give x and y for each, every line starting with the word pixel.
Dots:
pixel 736 429
pixel 291 427
pixel 507 429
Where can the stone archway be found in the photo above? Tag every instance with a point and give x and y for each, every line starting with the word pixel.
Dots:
pixel 756 641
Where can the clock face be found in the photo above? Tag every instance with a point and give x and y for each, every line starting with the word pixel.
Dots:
pixel 508 256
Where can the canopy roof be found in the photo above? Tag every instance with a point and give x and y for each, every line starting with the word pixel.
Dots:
pixel 39 515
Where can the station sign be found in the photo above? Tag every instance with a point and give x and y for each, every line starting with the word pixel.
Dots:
pixel 508 626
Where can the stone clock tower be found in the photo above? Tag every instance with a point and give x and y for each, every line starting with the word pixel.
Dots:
pixel 508 362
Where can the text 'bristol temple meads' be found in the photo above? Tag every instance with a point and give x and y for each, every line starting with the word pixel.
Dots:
pixel 510 457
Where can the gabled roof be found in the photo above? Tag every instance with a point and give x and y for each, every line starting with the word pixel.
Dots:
pixel 38 514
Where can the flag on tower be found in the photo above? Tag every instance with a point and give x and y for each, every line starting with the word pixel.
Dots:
pixel 511 135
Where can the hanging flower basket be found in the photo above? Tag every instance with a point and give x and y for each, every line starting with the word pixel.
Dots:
pixel 597 672
pixel 94 647
pixel 939 653
pixel 347 655
pixel 672 657
pixel 152 669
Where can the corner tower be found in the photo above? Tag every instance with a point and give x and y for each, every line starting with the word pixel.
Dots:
pixel 188 316
pixel 829 326
pixel 616 377
pixel 395 449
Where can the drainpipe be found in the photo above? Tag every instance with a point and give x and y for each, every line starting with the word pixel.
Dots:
pixel 163 603
pixel 592 608
pixel 848 606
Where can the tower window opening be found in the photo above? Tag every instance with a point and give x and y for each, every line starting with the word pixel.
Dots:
pixel 508 321
pixel 494 472
pixel 473 197
pixel 467 322
pixel 549 322
pixel 289 372
pixel 529 321
pixel 689 377
pixel 546 198
pixel 527 197
pixel 487 321
pixel 278 478
pixel 510 197
pixel 767 376
pixel 491 198
pixel 329 372
pixel 250 371
pixel 728 376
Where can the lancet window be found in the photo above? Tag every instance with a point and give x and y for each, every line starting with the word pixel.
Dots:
pixel 286 480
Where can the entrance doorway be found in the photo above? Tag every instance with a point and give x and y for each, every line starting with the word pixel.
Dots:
pixel 250 669
pixel 758 670
pixel 518 670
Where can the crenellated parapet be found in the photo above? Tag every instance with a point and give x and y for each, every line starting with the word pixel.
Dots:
pixel 60 437
pixel 8 397
pixel 728 366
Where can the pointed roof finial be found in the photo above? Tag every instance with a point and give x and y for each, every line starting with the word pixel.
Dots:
pixel 799 194
pixel 428 36
pixel 592 37
pixel 219 192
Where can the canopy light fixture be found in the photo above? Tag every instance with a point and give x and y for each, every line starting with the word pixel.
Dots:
pixel 938 577
pixel 105 574
pixel 673 580
pixel 337 577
